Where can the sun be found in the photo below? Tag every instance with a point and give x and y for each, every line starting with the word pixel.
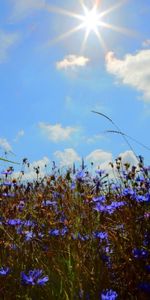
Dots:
pixel 91 19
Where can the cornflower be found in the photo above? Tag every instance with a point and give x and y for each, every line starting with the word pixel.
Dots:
pixel 34 277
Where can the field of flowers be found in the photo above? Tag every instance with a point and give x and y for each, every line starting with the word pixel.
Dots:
pixel 75 235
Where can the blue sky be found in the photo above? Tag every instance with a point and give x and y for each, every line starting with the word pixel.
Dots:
pixel 49 85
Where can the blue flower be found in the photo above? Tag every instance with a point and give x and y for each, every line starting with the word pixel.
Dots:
pixel 109 295
pixel 128 192
pixel 82 237
pixel 58 232
pixel 14 222
pixel 80 175
pixel 7 183
pixel 140 253
pixel 73 186
pixel 99 199
pixel 4 271
pixel 34 277
pixel 147 268
pixel 29 235
pixel 109 208
pixel 8 172
pixel 21 206
pixel 54 232
pixel 101 235
pixel 28 223
pixel 143 198
pixel 49 203
pixel 145 287
pixel 99 207
pixel 100 172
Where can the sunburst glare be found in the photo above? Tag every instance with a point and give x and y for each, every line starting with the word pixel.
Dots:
pixel 91 20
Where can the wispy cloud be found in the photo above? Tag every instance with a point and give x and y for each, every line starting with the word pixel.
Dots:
pixel 72 61
pixel 95 138
pixel 7 41
pixel 57 133
pixel 4 144
pixel 67 157
pixel 19 135
pixel 23 8
pixel 132 70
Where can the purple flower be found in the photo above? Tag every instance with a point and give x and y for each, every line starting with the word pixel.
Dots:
pixel 4 271
pixel 147 215
pixel 34 277
pixel 109 295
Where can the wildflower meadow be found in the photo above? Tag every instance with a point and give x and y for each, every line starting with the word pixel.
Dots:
pixel 76 235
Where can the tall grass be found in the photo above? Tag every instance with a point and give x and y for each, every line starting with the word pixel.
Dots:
pixel 89 235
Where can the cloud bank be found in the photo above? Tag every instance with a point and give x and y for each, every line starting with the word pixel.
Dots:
pixel 132 70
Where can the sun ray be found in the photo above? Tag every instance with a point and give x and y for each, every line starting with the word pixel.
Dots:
pixel 122 30
pixel 84 40
pixel 112 8
pixel 61 11
pixel 101 40
pixel 65 35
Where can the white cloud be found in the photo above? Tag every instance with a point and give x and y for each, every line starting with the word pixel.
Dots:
pixel 99 157
pixel 133 70
pixel 4 144
pixel 129 157
pixel 30 173
pixel 7 40
pixel 23 8
pixel 57 133
pixel 67 157
pixel 146 43
pixel 72 61
pixel 19 135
